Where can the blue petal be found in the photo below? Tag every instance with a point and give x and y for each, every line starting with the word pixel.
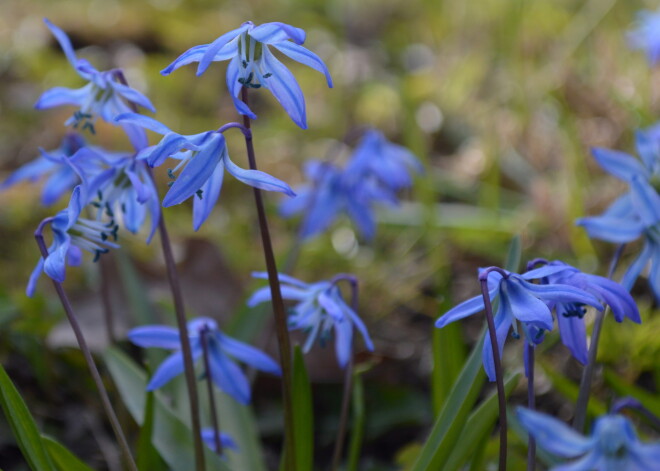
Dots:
pixel 332 306
pixel 573 334
pixel 465 309
pixel 168 369
pixel 525 306
pixel 343 341
pixel 619 164
pixel 65 42
pixel 325 203
pixel 304 56
pixel 545 271
pixel 362 215
pixel 360 326
pixel 197 172
pixel 210 193
pixel 160 336
pixel 215 46
pixel 290 206
pixel 285 88
pixel 616 296
pixel 59 96
pixel 55 264
pixel 257 178
pixel 262 275
pixel 133 212
pixel 645 200
pixel 228 376
pixel 195 54
pixel 136 136
pixel 637 266
pixel 503 319
pixel 34 277
pixel 133 96
pixel 553 435
pixel 167 147
pixel 249 355
pixel 648 149
pixel 143 121
pixel 271 33
pixel 259 296
pixel 234 86
pixel 611 229
pixel 562 293
pixel 58 184
pixel 208 435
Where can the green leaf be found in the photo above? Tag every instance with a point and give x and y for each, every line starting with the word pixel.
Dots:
pixel 622 388
pixel 171 436
pixel 63 458
pixel 303 413
pixel 358 419
pixel 570 389
pixel 22 425
pixel 147 456
pixel 451 420
pixel 448 359
pixel 478 428
pixel 512 262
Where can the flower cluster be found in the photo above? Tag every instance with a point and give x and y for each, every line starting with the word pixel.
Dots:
pixel 320 310
pixel 637 213
pixel 562 289
pixel 374 174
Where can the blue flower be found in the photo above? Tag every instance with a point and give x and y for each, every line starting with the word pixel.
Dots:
pixel 320 309
pixel 570 315
pixel 519 300
pixel 253 65
pixel 103 96
pixel 222 348
pixel 205 159
pixel 390 164
pixel 636 213
pixel 646 36
pixel 61 176
pixel 208 435
pixel 613 444
pixel 71 234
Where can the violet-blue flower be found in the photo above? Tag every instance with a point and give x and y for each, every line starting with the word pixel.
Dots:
pixel 204 158
pixel 61 176
pixel 103 96
pixel 570 315
pixel 519 300
pixel 71 234
pixel 253 65
pixel 320 309
pixel 227 442
pixel 646 35
pixel 636 213
pixel 222 351
pixel 612 446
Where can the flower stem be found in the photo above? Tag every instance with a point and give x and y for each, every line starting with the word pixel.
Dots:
pixel 483 278
pixel 632 403
pixel 531 404
pixel 348 381
pixel 209 384
pixel 189 367
pixel 180 311
pixel 82 343
pixel 588 371
pixel 278 305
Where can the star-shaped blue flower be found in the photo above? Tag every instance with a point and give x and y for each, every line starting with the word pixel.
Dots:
pixel 320 309
pixel 613 444
pixel 636 213
pixel 204 159
pixel 103 96
pixel 253 65
pixel 646 35
pixel 71 234
pixel 222 350
pixel 570 315
pixel 519 300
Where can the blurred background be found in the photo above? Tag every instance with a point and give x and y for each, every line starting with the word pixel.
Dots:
pixel 500 100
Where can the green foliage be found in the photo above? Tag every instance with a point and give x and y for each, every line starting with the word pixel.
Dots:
pixel 63 459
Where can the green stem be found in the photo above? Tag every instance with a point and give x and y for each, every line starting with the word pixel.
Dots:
pixel 279 313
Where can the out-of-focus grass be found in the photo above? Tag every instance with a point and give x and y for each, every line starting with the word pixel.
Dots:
pixel 501 100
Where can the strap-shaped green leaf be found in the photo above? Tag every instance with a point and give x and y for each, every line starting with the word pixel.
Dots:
pixel 22 425
pixel 63 458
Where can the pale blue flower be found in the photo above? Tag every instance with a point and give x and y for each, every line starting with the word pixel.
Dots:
pixel 636 213
pixel 646 35
pixel 570 316
pixel 71 234
pixel 518 300
pixel 612 446
pixel 320 310
pixel 208 435
pixel 204 159
pixel 222 351
pixel 103 96
pixel 253 65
